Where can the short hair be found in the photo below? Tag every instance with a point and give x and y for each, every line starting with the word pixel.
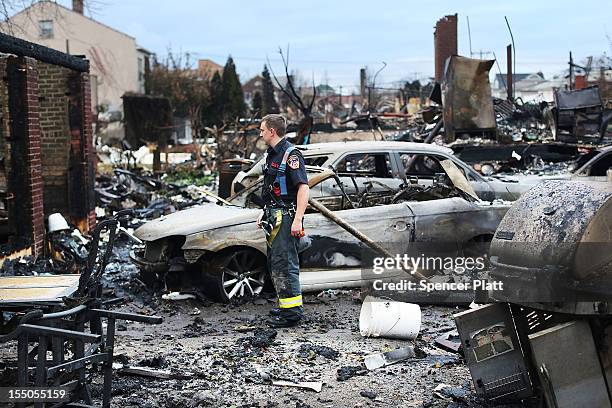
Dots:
pixel 276 122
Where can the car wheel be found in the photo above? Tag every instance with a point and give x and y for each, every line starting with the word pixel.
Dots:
pixel 236 275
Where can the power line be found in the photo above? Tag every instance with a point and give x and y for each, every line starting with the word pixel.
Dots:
pixel 235 57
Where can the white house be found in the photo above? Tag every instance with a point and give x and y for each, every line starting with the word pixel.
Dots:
pixel 117 63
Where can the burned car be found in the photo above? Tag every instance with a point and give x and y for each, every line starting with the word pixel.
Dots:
pixel 595 165
pixel 578 114
pixel 391 163
pixel 219 248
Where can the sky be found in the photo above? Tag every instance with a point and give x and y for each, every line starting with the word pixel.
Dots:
pixel 331 40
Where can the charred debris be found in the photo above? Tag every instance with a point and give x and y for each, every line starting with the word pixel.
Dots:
pixel 66 233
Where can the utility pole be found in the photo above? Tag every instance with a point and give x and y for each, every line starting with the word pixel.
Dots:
pixel 470 36
pixel 571 72
pixel 362 83
pixel 485 53
pixel 340 96
pixel 509 72
pixel 374 84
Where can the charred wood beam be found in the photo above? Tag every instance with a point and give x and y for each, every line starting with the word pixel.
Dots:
pixel 17 46
pixel 20 222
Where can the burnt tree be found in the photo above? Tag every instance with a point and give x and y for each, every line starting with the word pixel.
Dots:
pixel 306 124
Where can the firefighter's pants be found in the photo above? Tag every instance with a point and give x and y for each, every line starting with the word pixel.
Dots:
pixel 283 262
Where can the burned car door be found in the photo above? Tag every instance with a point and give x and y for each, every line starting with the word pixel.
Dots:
pixel 332 249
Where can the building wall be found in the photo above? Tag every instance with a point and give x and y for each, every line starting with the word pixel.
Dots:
pixel 445 43
pixel 53 90
pixel 46 141
pixel 207 68
pixel 21 138
pixel 113 55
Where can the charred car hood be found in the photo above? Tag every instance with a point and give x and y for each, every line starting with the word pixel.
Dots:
pixel 195 219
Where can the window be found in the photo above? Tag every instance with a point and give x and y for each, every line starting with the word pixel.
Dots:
pixel 141 69
pixel 421 165
pixel 315 160
pixel 46 28
pixel 601 166
pixel 367 164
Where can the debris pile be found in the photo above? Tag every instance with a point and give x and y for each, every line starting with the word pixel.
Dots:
pixel 153 196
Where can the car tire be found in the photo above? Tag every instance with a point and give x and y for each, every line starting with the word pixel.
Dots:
pixel 235 275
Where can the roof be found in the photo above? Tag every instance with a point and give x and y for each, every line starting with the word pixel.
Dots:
pixel 52 3
pixel 324 88
pixel 502 78
pixel 253 84
pixel 144 50
pixel 371 145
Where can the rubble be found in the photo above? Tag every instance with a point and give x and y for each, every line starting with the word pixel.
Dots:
pixel 346 372
pixel 261 339
pixel 309 351
pixel 221 355
pixel 368 394
pixel 153 196
pixel 449 341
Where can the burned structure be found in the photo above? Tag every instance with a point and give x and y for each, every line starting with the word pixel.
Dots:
pixel 445 43
pixel 466 98
pixel 579 113
pixel 46 149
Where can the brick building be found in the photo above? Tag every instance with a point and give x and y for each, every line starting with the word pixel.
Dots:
pixel 445 43
pixel 46 147
pixel 207 68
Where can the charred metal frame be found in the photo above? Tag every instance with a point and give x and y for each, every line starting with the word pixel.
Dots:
pixel 60 325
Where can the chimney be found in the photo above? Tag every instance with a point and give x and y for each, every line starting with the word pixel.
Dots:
pixel 445 43
pixel 77 6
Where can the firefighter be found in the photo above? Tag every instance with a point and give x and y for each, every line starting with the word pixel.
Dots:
pixel 285 196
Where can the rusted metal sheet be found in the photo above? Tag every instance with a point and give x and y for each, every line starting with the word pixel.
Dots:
pixel 466 97
pixel 28 289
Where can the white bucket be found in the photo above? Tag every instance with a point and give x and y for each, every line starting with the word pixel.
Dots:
pixel 387 318
pixel 57 222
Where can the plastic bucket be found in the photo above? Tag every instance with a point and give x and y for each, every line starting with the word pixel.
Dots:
pixel 57 222
pixel 388 318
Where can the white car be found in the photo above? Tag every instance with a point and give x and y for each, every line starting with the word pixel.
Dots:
pixel 390 163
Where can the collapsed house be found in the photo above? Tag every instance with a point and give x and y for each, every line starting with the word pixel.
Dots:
pixel 45 144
